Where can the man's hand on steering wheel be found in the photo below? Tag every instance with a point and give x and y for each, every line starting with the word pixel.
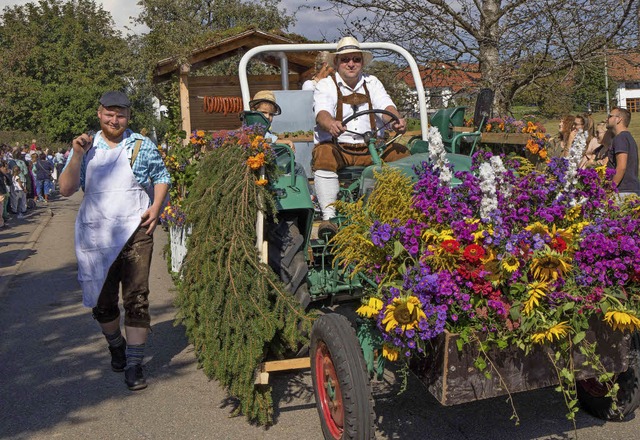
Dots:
pixel 336 128
pixel 399 126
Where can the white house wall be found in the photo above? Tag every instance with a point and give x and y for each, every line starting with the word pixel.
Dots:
pixel 622 94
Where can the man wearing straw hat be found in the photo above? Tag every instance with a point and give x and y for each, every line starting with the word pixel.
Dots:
pixel 337 97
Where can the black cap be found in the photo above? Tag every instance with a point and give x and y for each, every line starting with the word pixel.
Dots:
pixel 115 99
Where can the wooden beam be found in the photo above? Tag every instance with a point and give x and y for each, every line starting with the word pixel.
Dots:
pixel 261 376
pixel 286 364
pixel 185 111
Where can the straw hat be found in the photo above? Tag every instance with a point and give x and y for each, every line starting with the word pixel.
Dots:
pixel 350 45
pixel 265 96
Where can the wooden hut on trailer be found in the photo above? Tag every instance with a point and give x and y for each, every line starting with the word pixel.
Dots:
pixel 213 102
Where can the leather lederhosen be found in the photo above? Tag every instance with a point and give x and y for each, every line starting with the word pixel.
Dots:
pixel 354 99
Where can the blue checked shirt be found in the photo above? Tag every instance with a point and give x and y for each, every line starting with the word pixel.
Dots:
pixel 148 168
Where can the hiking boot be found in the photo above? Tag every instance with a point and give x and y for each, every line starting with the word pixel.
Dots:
pixel 134 378
pixel 118 357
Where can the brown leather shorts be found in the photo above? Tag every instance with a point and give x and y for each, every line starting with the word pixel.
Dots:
pixel 327 157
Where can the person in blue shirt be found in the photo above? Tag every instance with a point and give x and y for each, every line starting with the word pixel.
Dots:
pixel 125 183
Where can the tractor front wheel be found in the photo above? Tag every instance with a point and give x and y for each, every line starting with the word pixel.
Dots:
pixel 340 380
pixel 592 394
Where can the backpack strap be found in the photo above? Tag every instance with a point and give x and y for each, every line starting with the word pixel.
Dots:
pixel 136 150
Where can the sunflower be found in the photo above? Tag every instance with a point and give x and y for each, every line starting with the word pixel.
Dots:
pixel 510 263
pixel 549 265
pixel 565 234
pixel 538 228
pixel 536 290
pixel 390 353
pixel 558 331
pixel 405 312
pixel 371 308
pixel 622 320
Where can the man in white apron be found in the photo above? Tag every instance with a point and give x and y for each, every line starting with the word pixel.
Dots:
pixel 125 183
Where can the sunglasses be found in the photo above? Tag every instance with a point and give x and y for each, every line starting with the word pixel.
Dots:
pixel 345 60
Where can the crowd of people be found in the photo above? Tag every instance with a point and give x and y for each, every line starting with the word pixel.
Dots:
pixel 608 143
pixel 28 176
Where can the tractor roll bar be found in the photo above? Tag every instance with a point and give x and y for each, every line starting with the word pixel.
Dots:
pixel 244 61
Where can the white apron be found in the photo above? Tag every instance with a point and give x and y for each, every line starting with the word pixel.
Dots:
pixel 110 213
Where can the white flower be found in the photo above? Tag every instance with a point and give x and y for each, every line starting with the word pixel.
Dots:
pixel 499 170
pixel 575 155
pixel 438 155
pixel 488 187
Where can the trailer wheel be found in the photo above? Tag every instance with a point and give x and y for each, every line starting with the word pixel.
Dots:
pixel 592 394
pixel 340 380
pixel 286 258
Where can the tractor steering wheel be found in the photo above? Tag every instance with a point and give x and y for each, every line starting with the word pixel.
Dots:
pixel 367 135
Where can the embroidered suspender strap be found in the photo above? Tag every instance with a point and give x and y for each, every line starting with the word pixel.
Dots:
pixel 372 119
pixel 342 99
pixel 136 150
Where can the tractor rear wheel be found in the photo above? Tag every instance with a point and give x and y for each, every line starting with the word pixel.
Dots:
pixel 286 258
pixel 592 394
pixel 340 380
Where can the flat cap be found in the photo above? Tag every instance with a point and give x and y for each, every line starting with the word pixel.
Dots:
pixel 115 99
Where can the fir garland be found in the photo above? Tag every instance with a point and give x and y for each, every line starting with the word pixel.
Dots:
pixel 234 308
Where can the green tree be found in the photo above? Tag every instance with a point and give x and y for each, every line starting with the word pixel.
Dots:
pixel 499 35
pixel 178 26
pixel 57 58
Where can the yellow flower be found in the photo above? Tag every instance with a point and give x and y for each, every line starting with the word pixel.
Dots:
pixel 404 312
pixel 200 133
pixel 573 213
pixel 536 291
pixel 558 331
pixel 622 320
pixel 390 353
pixel 262 182
pixel 255 162
pixel 371 308
pixel 510 263
pixel 549 265
pixel 538 228
pixel 602 172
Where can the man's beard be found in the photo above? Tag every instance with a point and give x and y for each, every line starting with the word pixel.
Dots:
pixel 112 133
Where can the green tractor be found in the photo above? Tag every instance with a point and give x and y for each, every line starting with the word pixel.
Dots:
pixel 303 256
pixel 342 362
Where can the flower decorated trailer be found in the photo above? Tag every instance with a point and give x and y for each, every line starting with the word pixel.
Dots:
pixel 483 275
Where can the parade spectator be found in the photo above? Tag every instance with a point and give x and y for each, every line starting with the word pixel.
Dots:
pixel 58 163
pixel 559 143
pixel 5 179
pixel 44 178
pixel 18 189
pixel 623 154
pixel 114 228
pixel 5 192
pixel 598 148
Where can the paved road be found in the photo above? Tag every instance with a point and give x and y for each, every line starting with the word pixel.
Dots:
pixel 55 380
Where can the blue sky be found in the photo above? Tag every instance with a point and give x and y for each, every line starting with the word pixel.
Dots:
pixel 310 23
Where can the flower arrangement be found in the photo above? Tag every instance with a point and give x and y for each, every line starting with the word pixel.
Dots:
pixel 536 148
pixel 182 161
pixel 514 254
